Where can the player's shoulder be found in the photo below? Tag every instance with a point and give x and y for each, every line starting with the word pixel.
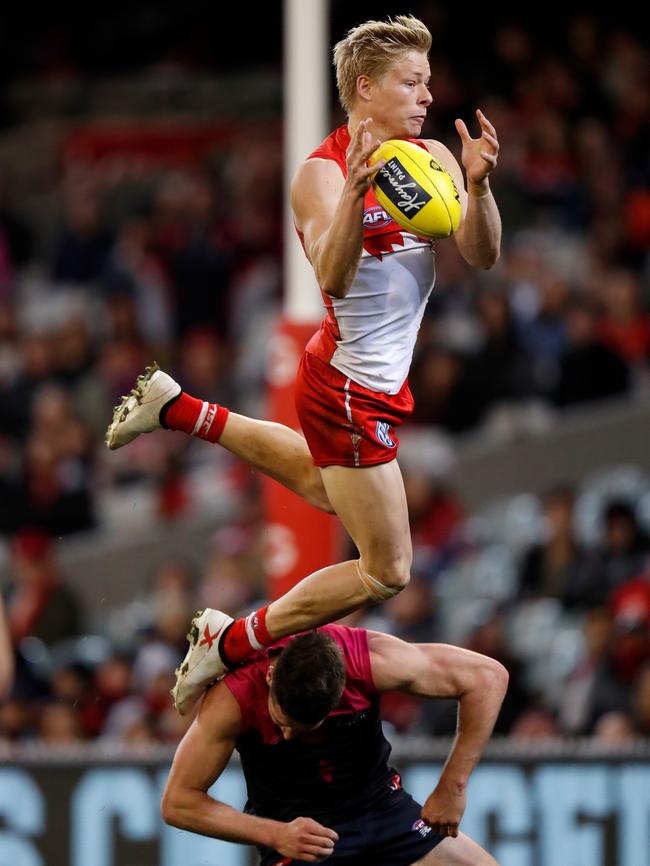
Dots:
pixel 248 687
pixel 327 161
pixel 220 710
pixel 317 166
pixel 316 186
pixel 316 171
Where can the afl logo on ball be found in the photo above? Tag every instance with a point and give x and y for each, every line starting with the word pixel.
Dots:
pixel 375 217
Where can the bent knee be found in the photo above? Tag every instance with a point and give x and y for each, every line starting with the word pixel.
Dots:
pixel 393 572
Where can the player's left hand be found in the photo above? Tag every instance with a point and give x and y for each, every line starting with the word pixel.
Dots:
pixel 444 808
pixel 479 155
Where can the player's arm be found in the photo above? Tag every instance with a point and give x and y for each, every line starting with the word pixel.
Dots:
pixel 443 671
pixel 200 759
pixel 328 210
pixel 478 237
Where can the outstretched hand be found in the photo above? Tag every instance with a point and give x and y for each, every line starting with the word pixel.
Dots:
pixel 479 155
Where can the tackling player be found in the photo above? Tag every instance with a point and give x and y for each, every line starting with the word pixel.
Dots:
pixel 304 718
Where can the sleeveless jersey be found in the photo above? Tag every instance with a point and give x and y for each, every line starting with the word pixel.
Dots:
pixel 370 334
pixel 336 772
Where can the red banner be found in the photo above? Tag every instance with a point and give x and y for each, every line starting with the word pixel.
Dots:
pixel 300 538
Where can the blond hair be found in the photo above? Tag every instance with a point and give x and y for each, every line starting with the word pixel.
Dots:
pixel 373 48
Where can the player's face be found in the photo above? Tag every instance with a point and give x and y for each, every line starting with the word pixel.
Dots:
pixel 400 99
pixel 289 728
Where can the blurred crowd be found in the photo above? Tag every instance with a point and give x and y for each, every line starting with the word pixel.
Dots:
pixel 556 587
pixel 557 591
pixel 171 251
pixel 180 278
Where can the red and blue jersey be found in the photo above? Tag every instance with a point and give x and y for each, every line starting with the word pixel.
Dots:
pixel 338 771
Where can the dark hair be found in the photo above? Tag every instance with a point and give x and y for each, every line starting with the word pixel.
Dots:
pixel 309 677
pixel 620 509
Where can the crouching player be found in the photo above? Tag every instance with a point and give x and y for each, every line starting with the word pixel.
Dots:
pixel 304 717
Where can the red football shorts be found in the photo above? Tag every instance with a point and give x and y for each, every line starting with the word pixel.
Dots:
pixel 344 423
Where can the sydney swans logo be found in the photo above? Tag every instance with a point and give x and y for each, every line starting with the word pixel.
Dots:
pixel 400 187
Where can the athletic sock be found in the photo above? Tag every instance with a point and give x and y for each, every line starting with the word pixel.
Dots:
pixel 246 636
pixel 196 417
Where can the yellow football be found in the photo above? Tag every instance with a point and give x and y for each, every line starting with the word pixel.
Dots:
pixel 415 189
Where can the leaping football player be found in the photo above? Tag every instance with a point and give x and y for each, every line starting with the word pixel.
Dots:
pixel 351 390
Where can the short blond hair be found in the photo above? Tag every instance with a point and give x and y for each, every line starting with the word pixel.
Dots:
pixel 373 48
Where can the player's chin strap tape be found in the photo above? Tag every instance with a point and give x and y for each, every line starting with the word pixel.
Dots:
pixel 376 590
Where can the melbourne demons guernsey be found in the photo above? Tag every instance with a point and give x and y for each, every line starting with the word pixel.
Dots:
pixel 336 772
pixel 369 335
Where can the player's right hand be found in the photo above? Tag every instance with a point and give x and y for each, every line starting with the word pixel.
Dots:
pixel 305 839
pixel 444 808
pixel 362 146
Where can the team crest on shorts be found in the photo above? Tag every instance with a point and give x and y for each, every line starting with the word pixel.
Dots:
pixel 420 827
pixel 382 432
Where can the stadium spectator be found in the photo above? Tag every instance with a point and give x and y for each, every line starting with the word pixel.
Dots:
pixel 619 556
pixel 592 688
pixel 445 396
pixel 588 369
pixel 614 729
pixel 83 244
pixel 39 603
pixel 551 566
pixel 59 725
pixel 641 702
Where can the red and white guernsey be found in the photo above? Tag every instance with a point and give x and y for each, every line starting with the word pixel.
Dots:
pixel 370 334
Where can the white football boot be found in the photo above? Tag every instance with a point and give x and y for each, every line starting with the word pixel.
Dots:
pixel 203 664
pixel 139 411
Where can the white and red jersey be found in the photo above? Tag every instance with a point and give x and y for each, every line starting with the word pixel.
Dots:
pixel 369 335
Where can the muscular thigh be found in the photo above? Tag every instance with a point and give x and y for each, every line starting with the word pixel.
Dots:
pixel 371 503
pixel 461 851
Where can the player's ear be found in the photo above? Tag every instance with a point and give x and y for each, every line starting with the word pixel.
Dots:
pixel 364 88
pixel 269 675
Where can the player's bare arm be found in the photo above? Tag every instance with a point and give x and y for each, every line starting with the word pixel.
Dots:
pixel 478 236
pixel 442 671
pixel 200 759
pixel 328 210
